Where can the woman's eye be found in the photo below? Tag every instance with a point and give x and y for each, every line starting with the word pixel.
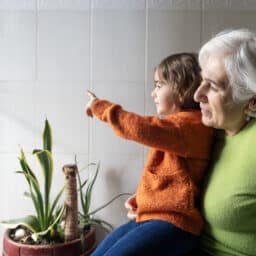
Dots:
pixel 214 88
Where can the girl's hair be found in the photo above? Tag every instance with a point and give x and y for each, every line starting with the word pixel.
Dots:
pixel 183 73
pixel 238 51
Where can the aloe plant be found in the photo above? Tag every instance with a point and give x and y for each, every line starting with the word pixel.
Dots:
pixel 87 216
pixel 44 223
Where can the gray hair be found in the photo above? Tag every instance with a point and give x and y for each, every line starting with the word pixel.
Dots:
pixel 238 48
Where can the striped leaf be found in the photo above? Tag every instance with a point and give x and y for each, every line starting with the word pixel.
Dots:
pixel 45 159
pixel 55 203
pixel 47 137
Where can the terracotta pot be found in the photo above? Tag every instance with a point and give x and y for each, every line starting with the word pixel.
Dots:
pixel 90 242
pixel 73 248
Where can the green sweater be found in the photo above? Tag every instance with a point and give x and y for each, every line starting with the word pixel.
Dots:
pixel 229 198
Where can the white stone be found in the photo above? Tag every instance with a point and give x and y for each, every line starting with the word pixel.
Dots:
pixel 19 233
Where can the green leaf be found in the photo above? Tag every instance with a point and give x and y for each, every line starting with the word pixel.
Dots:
pixel 30 222
pixel 37 199
pixel 47 137
pixel 82 185
pixel 103 224
pixel 36 151
pixel 81 192
pixel 109 202
pixel 56 213
pixel 25 166
pixel 48 217
pixel 34 188
pixel 88 193
pixel 45 159
pixel 35 236
pixel 55 202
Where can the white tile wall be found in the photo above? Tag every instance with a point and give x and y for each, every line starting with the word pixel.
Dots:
pixel 17 45
pixel 63 45
pixel 119 173
pixel 180 31
pixel 69 5
pixel 174 4
pixel 17 101
pixel 18 5
pixel 14 204
pixel 225 16
pixel 51 51
pixel 119 4
pixel 118 45
pixel 63 104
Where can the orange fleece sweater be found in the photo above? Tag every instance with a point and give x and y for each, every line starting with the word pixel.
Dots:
pixel 180 149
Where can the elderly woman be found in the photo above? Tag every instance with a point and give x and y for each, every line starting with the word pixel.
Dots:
pixel 227 97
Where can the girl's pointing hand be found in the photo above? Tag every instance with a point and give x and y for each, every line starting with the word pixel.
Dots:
pixel 92 98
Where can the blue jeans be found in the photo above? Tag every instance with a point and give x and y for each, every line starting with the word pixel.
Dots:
pixel 149 238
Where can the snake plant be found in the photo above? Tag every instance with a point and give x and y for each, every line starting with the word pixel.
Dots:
pixel 45 221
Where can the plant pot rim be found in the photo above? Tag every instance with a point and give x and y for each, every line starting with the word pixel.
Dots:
pixel 7 232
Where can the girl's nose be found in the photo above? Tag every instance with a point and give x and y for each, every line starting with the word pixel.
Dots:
pixel 200 94
pixel 153 94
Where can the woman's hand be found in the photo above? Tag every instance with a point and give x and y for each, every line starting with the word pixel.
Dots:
pixel 131 205
pixel 92 98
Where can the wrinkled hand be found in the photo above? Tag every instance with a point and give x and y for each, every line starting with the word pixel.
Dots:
pixel 131 205
pixel 92 98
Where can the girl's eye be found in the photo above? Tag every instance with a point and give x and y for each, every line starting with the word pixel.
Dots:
pixel 158 86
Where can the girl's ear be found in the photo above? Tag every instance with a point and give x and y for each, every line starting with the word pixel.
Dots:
pixel 250 108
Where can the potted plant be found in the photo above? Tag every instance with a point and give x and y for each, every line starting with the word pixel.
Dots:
pixel 41 233
pixel 87 218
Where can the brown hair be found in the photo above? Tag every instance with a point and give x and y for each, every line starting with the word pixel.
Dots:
pixel 182 71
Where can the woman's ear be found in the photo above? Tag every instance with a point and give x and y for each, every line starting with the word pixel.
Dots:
pixel 250 108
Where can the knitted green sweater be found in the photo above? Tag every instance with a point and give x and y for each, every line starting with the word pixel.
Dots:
pixel 229 199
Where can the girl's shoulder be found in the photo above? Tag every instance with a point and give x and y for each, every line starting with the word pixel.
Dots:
pixel 188 116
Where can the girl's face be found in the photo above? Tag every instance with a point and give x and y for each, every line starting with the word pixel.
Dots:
pixel 164 98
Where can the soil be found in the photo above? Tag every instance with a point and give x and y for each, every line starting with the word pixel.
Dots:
pixel 28 240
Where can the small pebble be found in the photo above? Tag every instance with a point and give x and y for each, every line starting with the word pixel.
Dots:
pixel 19 233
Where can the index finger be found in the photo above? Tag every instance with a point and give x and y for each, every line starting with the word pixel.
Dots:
pixel 90 94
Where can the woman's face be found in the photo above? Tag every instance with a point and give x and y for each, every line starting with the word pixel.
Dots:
pixel 215 97
pixel 164 98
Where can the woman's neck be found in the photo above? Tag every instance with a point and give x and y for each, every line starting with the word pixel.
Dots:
pixel 237 128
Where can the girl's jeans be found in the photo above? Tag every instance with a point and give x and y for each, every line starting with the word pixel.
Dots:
pixel 149 238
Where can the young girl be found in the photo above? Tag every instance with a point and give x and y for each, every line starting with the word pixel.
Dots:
pixel 168 221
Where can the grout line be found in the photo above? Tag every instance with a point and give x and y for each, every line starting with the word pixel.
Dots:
pixel 146 65
pixel 36 42
pixel 36 65
pixel 146 54
pixel 91 39
pixel 201 22
pixel 90 75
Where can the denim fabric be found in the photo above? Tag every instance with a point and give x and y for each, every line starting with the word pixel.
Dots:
pixel 150 238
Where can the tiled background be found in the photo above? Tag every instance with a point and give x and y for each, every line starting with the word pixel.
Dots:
pixel 51 51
